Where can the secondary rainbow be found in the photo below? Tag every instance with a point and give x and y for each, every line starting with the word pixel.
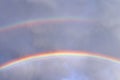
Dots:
pixel 59 53
pixel 34 22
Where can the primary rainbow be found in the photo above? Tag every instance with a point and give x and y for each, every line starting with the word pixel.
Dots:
pixel 59 53
pixel 34 22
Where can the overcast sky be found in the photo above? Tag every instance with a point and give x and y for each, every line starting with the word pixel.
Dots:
pixel 72 25
pixel 100 34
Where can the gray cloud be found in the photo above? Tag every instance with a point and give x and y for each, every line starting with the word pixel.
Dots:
pixel 110 17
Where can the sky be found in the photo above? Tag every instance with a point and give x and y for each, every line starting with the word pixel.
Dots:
pixel 98 30
pixel 36 26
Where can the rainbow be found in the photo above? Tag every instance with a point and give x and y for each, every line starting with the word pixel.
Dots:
pixel 34 22
pixel 59 53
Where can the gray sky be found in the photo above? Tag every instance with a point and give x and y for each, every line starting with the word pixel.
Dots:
pixel 86 25
pixel 101 35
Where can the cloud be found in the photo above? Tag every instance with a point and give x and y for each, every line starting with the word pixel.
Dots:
pixel 110 15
